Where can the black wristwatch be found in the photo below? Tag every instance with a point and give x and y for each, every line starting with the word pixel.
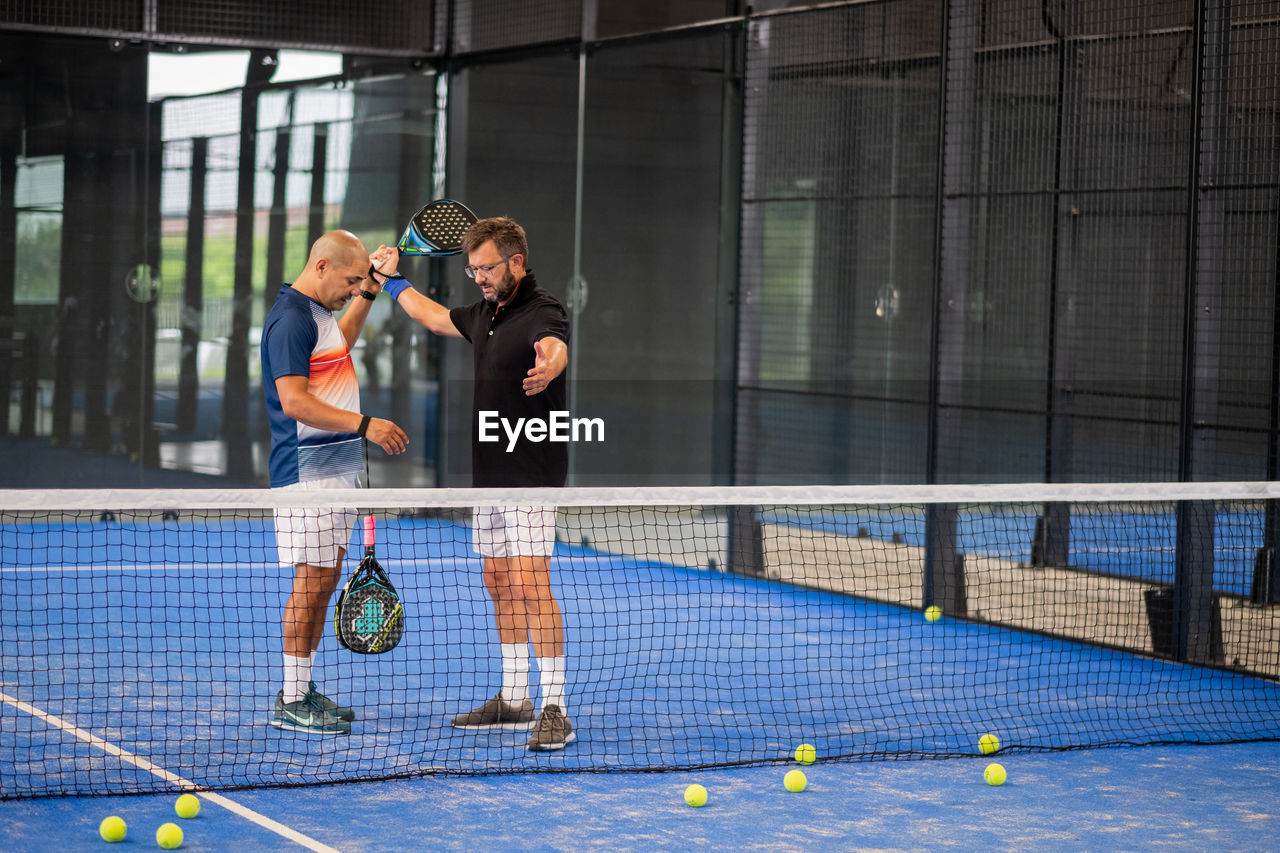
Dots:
pixel 368 294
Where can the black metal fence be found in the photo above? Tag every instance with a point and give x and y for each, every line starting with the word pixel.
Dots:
pixel 895 241
pixel 1022 241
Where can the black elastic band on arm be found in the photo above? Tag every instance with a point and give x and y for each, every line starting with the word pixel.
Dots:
pixel 364 426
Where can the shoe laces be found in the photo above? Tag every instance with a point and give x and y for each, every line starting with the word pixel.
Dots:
pixel 312 698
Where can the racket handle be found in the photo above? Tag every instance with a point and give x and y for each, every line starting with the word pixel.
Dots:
pixel 369 524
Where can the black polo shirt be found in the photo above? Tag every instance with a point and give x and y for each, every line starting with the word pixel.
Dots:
pixel 503 339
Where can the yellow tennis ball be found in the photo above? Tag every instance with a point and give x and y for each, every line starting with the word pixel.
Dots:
pixel 169 836
pixel 806 754
pixel 794 781
pixel 187 806
pixel 695 795
pixel 112 829
pixel 933 613
pixel 988 744
pixel 994 774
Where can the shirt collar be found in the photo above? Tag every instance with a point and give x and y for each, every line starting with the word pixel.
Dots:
pixel 524 292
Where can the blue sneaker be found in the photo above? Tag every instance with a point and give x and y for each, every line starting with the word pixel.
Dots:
pixel 306 715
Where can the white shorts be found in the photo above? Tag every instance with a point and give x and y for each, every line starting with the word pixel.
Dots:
pixel 313 535
pixel 514 531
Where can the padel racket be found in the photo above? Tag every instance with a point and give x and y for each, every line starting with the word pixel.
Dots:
pixel 437 229
pixel 369 618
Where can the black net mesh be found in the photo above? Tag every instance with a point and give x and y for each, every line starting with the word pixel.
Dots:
pixel 375 26
pixel 1088 294
pixel 147 644
pixel 369 24
pixel 492 24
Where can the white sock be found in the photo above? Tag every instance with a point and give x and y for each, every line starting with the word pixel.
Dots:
pixel 515 673
pixel 311 668
pixel 551 673
pixel 297 672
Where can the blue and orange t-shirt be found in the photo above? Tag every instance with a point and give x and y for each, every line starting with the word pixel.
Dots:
pixel 301 337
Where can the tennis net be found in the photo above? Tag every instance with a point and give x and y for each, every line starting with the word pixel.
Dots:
pixel 142 630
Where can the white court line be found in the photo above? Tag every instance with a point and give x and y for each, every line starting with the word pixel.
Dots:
pixel 129 567
pixel 186 784
pixel 170 567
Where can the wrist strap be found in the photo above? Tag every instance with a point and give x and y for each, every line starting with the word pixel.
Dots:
pixel 364 426
pixel 368 294
pixel 396 286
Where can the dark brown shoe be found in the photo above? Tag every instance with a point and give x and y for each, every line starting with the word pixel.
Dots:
pixel 552 731
pixel 497 714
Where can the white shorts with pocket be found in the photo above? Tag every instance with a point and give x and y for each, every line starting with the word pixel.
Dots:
pixel 314 535
pixel 514 531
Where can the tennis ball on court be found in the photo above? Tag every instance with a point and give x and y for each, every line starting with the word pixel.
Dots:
pixel 112 829
pixel 169 836
pixel 933 613
pixel 188 805
pixel 994 774
pixel 794 781
pixel 988 744
pixel 695 795
pixel 806 754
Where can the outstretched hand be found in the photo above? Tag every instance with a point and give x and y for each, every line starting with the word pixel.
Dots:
pixel 548 362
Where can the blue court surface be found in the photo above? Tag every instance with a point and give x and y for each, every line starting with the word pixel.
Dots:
pixel 1188 798
pixel 144 656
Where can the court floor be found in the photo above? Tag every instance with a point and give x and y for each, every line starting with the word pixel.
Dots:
pixel 680 667
pixel 1167 798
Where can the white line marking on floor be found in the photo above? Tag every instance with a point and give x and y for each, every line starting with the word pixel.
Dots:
pixel 168 776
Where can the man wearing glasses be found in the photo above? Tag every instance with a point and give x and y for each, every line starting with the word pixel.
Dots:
pixel 519 334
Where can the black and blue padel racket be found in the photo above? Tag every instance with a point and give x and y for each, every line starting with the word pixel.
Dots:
pixel 369 617
pixel 437 229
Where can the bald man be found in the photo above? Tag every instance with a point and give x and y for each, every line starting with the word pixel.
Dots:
pixel 317 442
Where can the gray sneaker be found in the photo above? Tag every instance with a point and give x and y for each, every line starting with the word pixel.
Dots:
pixel 552 731
pixel 497 714
pixel 306 715
pixel 342 712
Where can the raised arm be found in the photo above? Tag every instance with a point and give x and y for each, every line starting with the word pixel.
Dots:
pixel 429 313
pixel 352 320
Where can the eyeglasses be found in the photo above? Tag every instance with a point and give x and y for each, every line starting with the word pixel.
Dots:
pixel 485 270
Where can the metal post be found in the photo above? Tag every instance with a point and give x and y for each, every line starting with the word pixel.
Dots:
pixel 277 217
pixel 235 389
pixel 578 284
pixel 1053 540
pixel 8 251
pixel 319 163
pixel 193 291
pixel 957 89
pixel 1193 602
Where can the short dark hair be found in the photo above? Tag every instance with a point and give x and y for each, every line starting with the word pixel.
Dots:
pixel 506 234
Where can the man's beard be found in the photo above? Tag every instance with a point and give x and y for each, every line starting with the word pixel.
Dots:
pixel 502 289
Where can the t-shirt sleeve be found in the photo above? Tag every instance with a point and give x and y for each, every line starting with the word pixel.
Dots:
pixel 553 322
pixel 290 340
pixel 464 319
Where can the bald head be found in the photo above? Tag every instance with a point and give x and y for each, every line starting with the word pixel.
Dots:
pixel 337 266
pixel 338 247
